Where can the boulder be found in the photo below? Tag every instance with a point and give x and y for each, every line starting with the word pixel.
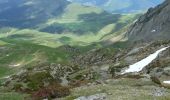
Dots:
pixel 161 75
pixel 101 96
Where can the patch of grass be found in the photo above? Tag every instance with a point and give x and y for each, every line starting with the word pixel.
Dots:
pixel 82 25
pixel 123 89
pixel 5 71
pixel 2 43
pixel 12 96
pixel 16 55
pixel 72 13
pixel 2 81
pixel 26 49
pixel 36 80
pixel 52 91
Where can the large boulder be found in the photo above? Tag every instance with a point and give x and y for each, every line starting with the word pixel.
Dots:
pixel 101 96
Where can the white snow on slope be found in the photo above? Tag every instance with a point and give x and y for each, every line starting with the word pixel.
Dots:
pixel 137 67
pixel 166 82
pixel 15 65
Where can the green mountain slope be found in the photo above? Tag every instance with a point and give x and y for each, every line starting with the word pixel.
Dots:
pixel 59 23
pixel 121 6
pixel 31 32
pixel 29 36
pixel 65 51
pixel 29 13
pixel 16 55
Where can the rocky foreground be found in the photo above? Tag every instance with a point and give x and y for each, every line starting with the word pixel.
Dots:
pixel 97 74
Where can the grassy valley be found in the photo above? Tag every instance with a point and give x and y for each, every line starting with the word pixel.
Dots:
pixel 74 33
pixel 16 55
pixel 31 45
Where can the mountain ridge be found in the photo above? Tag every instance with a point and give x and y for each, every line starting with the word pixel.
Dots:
pixel 154 25
pixel 116 6
pixel 83 57
pixel 65 22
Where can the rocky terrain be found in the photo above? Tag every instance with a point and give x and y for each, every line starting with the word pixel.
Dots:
pixel 93 72
pixel 154 25
pixel 92 69
pixel 116 6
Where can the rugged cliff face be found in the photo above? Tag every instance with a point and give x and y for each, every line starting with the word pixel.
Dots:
pixel 154 25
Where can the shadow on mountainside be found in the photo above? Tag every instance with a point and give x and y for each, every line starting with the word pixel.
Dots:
pixel 24 14
pixel 90 23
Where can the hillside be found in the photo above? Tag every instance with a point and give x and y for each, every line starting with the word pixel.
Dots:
pixel 59 22
pixel 16 55
pixel 29 13
pixel 116 6
pixel 55 16
pixel 62 50
pixel 152 26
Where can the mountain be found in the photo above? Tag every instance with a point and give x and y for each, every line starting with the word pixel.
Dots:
pixel 54 16
pixel 58 22
pixel 63 50
pixel 121 6
pixel 29 13
pixel 152 26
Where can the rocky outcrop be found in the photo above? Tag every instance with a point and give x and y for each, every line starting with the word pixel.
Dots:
pixel 154 25
pixel 101 96
pixel 160 69
pixel 160 75
pixel 94 57
pixel 156 68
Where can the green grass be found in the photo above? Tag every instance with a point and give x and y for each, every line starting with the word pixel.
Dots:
pixel 72 12
pixel 123 89
pixel 26 48
pixel 12 96
pixel 5 71
pixel 81 25
pixel 16 55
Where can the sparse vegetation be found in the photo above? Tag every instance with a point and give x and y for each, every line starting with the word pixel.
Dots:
pixel 62 50
pixel 51 91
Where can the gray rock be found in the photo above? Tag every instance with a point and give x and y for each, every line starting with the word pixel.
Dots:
pixel 101 96
pixel 159 92
pixel 154 25
pixel 158 75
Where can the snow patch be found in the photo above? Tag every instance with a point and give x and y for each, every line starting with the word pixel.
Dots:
pixel 137 67
pixel 15 65
pixel 6 77
pixel 153 31
pixel 28 3
pixel 166 82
